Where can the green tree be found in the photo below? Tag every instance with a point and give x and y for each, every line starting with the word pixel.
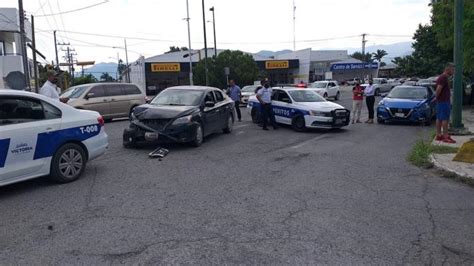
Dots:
pixel 89 78
pixel 176 49
pixel 243 69
pixel 428 58
pixel 105 77
pixel 367 57
pixel 379 55
pixel 443 25
pixel 121 69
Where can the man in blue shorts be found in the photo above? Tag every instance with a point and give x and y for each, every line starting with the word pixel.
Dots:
pixel 443 104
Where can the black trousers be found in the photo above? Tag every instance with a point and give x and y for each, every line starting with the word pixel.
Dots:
pixel 237 110
pixel 370 101
pixel 267 114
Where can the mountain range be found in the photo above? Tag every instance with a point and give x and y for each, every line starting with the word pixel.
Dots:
pixel 393 50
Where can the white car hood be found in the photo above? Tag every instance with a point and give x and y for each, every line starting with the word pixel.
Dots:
pixel 320 106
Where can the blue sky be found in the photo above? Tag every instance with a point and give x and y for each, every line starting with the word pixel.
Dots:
pixel 151 26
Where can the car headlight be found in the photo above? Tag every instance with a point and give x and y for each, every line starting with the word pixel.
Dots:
pixel 183 120
pixel 319 113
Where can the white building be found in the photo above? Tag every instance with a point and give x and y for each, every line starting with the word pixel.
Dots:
pixel 11 57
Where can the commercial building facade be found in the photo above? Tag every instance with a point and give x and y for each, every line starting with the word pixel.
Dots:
pixel 172 69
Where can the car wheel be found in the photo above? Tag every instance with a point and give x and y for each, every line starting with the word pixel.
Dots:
pixel 68 163
pixel 298 123
pixel 198 136
pixel 107 120
pixel 377 92
pixel 338 96
pixel 428 121
pixel 380 121
pixel 325 95
pixel 229 126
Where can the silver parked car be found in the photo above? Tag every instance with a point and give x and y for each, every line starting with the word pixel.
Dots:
pixel 111 100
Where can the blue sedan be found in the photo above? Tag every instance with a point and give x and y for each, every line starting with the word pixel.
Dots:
pixel 407 104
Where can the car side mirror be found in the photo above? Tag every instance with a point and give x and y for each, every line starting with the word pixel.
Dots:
pixel 209 104
pixel 89 95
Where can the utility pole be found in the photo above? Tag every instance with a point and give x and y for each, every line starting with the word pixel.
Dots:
pixel 456 122
pixel 363 43
pixel 189 46
pixel 294 26
pixel 23 43
pixel 205 43
pixel 56 49
pixel 35 64
pixel 126 60
pixel 214 28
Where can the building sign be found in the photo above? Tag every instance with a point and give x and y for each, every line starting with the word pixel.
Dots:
pixel 281 64
pixel 354 66
pixel 165 67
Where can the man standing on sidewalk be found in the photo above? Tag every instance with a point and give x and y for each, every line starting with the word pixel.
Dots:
pixel 236 95
pixel 443 104
pixel 370 101
pixel 264 96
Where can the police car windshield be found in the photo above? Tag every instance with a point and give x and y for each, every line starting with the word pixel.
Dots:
pixel 319 85
pixel 74 92
pixel 305 96
pixel 178 98
pixel 408 93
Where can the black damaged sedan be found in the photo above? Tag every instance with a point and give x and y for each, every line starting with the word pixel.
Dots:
pixel 184 114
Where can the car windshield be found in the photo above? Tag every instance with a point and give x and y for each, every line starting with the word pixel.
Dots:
pixel 178 97
pixel 249 89
pixel 408 93
pixel 305 96
pixel 377 81
pixel 74 92
pixel 319 85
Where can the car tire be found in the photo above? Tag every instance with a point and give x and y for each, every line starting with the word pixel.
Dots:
pixel 338 96
pixel 229 125
pixel 428 121
pixel 68 163
pixel 254 114
pixel 298 123
pixel 380 121
pixel 198 136
pixel 325 95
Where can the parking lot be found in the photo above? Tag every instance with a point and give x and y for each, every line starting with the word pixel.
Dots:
pixel 249 197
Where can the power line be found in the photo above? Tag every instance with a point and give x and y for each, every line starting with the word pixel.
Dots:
pixel 73 10
pixel 61 18
pixel 54 18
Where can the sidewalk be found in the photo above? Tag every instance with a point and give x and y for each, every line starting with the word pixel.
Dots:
pixel 445 162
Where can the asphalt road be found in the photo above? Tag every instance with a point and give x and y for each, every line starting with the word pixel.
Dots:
pixel 250 197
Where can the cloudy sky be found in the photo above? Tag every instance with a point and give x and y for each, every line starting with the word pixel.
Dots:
pixel 151 26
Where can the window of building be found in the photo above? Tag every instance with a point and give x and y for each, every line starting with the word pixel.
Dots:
pixel 2 48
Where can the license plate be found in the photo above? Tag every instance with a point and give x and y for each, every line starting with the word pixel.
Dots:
pixel 151 136
pixel 399 115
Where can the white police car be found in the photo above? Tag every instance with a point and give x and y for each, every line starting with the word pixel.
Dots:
pixel 302 108
pixel 40 136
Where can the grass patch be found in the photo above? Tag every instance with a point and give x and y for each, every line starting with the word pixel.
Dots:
pixel 420 153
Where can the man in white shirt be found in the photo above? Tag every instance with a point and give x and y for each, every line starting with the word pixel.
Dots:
pixel 264 96
pixel 369 93
pixel 49 88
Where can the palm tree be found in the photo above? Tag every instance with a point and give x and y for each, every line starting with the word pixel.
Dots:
pixel 362 57
pixel 379 55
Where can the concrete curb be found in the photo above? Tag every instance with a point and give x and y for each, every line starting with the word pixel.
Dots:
pixel 451 167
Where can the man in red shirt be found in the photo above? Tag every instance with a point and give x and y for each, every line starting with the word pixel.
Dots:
pixel 357 97
pixel 443 104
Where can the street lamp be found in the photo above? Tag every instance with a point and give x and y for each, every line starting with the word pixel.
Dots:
pixel 214 27
pixel 189 46
pixel 205 43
